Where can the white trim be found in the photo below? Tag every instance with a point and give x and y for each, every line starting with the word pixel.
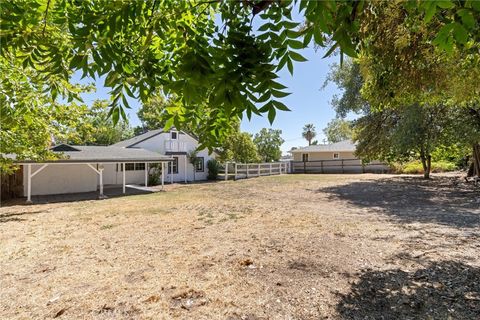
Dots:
pixel 40 169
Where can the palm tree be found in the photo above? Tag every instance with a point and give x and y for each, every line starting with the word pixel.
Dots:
pixel 309 133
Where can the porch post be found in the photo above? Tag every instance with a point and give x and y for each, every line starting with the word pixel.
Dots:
pixel 101 181
pixel 29 187
pixel 163 172
pixel 185 165
pixel 123 178
pixel 226 171
pixel 146 174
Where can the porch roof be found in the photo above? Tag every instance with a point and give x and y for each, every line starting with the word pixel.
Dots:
pixel 98 154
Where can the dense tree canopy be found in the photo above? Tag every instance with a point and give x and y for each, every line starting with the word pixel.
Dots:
pixel 219 66
pixel 338 130
pixel 268 142
pixel 239 147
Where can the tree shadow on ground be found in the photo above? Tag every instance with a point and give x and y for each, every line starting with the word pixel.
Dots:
pixel 16 216
pixel 443 290
pixel 441 200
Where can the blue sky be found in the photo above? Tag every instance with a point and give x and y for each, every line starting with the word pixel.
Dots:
pixel 309 103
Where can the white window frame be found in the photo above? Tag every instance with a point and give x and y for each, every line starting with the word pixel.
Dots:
pixel 336 155
pixel 173 166
pixel 200 161
pixel 171 135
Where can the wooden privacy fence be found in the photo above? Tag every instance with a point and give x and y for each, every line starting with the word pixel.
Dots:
pixel 338 166
pixel 233 170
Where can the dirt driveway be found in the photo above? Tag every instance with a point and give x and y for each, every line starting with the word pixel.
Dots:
pixel 283 247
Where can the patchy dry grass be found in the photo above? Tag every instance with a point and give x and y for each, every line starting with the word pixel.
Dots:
pixel 284 247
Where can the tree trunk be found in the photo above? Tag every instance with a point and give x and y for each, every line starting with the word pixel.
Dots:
pixel 426 174
pixel 426 164
pixel 476 160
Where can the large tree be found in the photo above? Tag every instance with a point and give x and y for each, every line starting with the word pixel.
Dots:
pixel 238 147
pixel 208 54
pixel 338 130
pixel 268 142
pixel 102 130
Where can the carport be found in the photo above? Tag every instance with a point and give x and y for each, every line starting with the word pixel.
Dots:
pixel 95 157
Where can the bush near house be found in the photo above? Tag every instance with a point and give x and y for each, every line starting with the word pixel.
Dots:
pixel 415 167
pixel 213 168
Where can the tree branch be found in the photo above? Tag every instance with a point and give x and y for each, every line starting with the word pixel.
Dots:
pixel 45 18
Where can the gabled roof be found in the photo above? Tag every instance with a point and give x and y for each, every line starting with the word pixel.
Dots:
pixel 132 142
pixel 345 145
pixel 137 139
pixel 99 154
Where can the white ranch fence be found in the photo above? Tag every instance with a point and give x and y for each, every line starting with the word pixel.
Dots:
pixel 233 170
pixel 338 166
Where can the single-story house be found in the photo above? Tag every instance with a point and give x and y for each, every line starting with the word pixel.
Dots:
pixel 331 158
pixel 90 168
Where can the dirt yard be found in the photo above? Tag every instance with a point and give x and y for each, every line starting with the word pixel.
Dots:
pixel 283 247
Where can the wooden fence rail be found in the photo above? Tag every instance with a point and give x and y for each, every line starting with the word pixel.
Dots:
pixel 233 170
pixel 338 166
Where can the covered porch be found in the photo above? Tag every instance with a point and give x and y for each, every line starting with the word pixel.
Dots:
pixel 81 170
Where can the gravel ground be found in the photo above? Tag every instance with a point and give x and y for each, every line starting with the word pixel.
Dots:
pixel 281 247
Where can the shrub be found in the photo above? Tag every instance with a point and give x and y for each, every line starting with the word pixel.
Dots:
pixel 415 167
pixel 213 168
pixel 154 175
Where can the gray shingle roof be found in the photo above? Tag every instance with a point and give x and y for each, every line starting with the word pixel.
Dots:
pixel 345 145
pixel 137 139
pixel 103 154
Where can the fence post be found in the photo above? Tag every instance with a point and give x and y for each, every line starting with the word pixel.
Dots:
pixel 343 171
pixel 321 166
pixel 363 167
pixel 226 171
pixel 235 177
pixel 270 168
pixel 304 167
pixel 247 169
pixel 258 169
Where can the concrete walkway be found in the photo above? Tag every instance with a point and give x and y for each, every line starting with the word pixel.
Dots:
pixel 111 191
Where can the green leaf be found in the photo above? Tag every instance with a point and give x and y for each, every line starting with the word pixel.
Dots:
pixel 111 78
pixel 290 66
pixel 280 94
pixel 296 56
pixel 266 27
pixel 460 33
pixel 280 106
pixel 264 97
pixel 295 44
pixel 76 62
pixel 467 18
pixel 282 62
pixel 445 4
pixel 430 10
pixel 331 50
pixel 271 115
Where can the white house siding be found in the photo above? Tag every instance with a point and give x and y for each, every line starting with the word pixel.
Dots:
pixel 61 178
pixel 113 177
pixel 157 144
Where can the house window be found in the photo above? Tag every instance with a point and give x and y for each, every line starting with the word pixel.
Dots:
pixel 336 156
pixel 305 157
pixel 173 135
pixel 139 166
pixel 131 166
pixel 173 165
pixel 199 164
